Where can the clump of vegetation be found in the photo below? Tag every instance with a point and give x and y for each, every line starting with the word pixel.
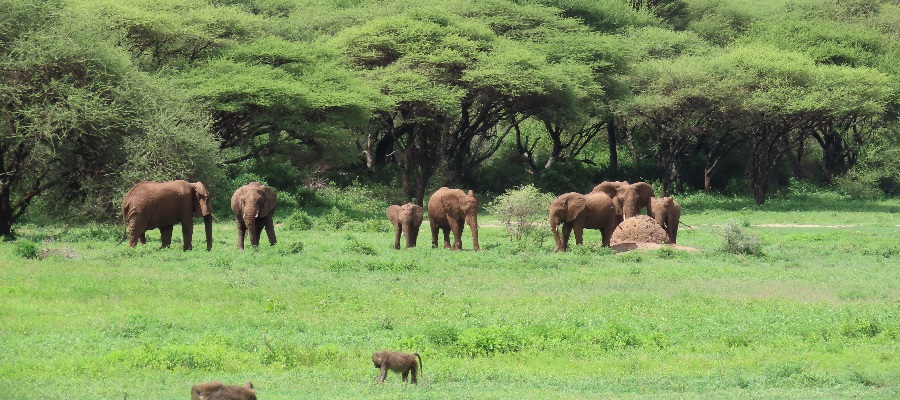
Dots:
pixel 596 248
pixel 737 241
pixel 523 211
pixel 355 246
pixel 299 221
pixel 295 247
pixel 335 218
pixel 26 249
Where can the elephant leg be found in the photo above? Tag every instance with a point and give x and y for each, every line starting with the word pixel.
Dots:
pixel 578 227
pixel 134 234
pixel 143 238
pixel 446 237
pixel 397 231
pixel 165 233
pixel 434 234
pixel 566 232
pixel 242 231
pixel 187 231
pixel 270 230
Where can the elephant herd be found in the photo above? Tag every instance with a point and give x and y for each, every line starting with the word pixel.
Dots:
pixel 161 205
pixel 152 205
pixel 605 207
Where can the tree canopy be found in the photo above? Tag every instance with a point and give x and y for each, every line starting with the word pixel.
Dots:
pixel 718 95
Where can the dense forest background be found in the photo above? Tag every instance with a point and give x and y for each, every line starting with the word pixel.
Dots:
pixel 728 96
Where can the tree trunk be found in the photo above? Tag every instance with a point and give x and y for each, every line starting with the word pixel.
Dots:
pixel 613 145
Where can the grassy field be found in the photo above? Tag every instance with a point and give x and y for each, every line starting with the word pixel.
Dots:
pixel 817 315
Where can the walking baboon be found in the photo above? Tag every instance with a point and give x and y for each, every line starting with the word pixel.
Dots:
pixel 221 391
pixel 402 363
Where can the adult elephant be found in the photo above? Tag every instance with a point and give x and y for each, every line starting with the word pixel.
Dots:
pixel 448 210
pixel 152 205
pixel 406 220
pixel 576 211
pixel 254 206
pixel 628 198
pixel 667 212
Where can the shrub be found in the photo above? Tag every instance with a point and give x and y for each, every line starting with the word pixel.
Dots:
pixel 299 220
pixel 335 218
pixel 523 211
pixel 26 249
pixel 737 241
pixel 355 246
pixel 290 248
pixel 861 327
pixel 490 340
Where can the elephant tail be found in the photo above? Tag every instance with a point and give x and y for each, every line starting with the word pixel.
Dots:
pixel 125 225
pixel 682 222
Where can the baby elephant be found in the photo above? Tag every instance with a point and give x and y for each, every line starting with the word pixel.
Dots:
pixel 254 206
pixel 221 391
pixel 406 219
pixel 402 363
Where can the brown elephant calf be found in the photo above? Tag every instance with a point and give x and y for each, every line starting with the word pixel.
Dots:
pixel 221 391
pixel 406 220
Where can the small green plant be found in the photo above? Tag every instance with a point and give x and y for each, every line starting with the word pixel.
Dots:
pixel 295 247
pixel 299 221
pixel 523 211
pixel 355 246
pixel 490 340
pixel 335 218
pixel 26 249
pixel 590 248
pixel 861 327
pixel 737 241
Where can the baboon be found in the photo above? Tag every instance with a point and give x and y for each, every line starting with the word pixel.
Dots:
pixel 402 363
pixel 221 391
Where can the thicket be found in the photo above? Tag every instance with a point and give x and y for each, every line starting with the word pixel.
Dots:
pixel 728 97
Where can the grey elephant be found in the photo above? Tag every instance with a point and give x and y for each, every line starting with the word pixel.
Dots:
pixel 667 212
pixel 152 205
pixel 406 220
pixel 628 198
pixel 254 206
pixel 576 211
pixel 448 210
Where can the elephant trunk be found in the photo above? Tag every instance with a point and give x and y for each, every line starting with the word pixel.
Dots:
pixel 629 207
pixel 207 224
pixel 410 239
pixel 250 222
pixel 554 227
pixel 472 221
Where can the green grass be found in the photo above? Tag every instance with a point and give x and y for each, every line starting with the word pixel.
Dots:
pixel 815 316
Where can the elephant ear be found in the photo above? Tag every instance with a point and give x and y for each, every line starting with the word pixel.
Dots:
pixel 574 206
pixel 418 214
pixel 612 190
pixel 200 201
pixel 452 206
pixel 393 214
pixel 645 191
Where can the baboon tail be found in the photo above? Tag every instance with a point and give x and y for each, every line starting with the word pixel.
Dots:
pixel 421 368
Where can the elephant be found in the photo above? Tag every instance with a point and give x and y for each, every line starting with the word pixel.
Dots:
pixel 406 218
pixel 628 198
pixel 667 212
pixel 151 205
pixel 254 206
pixel 578 211
pixel 448 209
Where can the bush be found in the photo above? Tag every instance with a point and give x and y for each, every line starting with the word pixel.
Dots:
pixel 335 218
pixel 523 211
pixel 290 248
pixel 299 220
pixel 737 241
pixel 26 249
pixel 490 340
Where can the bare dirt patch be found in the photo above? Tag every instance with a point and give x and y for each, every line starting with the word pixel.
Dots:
pixel 623 247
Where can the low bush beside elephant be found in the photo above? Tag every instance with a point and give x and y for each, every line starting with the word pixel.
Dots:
pixel 254 207
pixel 449 210
pixel 576 211
pixel 152 205
pixel 406 220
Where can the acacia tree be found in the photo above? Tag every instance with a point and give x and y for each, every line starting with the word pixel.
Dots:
pixel 72 104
